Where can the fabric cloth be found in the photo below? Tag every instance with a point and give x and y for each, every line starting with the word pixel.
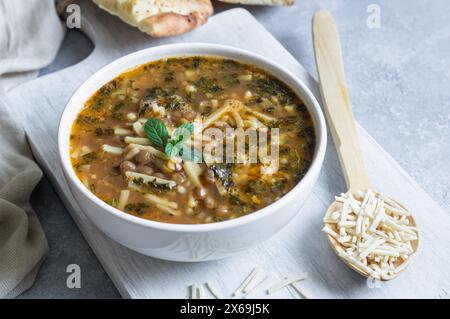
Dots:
pixel 30 36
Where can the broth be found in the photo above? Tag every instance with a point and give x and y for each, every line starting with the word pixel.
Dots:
pixel 113 155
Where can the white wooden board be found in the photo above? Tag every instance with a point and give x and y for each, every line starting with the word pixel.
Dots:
pixel 299 247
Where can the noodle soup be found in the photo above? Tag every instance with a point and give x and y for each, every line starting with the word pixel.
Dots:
pixel 129 144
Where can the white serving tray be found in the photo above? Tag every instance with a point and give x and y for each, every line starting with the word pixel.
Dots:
pixel 299 247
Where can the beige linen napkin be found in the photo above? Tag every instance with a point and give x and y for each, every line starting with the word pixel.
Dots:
pixel 30 35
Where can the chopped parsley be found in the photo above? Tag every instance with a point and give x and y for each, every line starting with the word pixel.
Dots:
pixel 89 157
pixel 136 208
pixel 208 85
pixel 100 131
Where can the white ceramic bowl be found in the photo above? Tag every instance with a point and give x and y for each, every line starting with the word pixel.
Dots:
pixel 190 242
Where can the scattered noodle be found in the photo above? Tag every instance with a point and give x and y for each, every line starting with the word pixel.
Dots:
pixel 287 281
pixel 122 131
pixel 246 281
pixel 301 291
pixel 199 292
pixel 138 129
pixel 112 149
pixel 137 140
pixel 261 116
pixel 193 171
pixel 160 201
pixel 254 122
pixel 123 199
pixel 258 287
pixel 148 179
pixel 168 210
pixel 215 292
pixel 194 291
pixel 213 117
pixel 229 105
pixel 131 153
pixel 249 284
pixel 85 150
pixel 237 118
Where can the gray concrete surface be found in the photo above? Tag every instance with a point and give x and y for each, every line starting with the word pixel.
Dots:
pixel 399 81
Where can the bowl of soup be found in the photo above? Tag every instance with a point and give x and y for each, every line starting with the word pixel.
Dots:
pixel 191 152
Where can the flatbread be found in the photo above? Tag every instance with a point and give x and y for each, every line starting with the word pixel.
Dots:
pixel 160 18
pixel 262 2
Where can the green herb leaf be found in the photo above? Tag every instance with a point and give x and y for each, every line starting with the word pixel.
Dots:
pixel 156 132
pixel 89 157
pixel 170 150
pixel 136 208
pixel 182 133
pixel 188 126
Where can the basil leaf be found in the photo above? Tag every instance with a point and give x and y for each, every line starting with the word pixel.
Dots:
pixel 156 132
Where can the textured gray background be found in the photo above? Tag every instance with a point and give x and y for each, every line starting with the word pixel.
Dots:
pixel 399 81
